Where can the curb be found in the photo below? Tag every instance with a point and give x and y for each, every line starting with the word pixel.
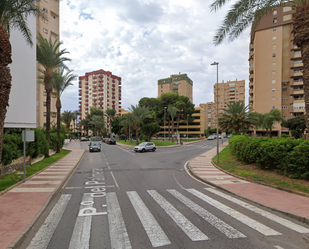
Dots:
pixel 17 242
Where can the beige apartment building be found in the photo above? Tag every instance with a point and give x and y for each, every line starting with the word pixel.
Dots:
pixel 101 89
pixel 176 83
pixel 49 29
pixel 209 115
pixel 276 67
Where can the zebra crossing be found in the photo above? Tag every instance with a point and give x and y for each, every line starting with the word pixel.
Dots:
pixel 117 225
pixel 200 146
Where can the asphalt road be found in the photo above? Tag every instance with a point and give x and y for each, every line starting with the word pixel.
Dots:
pixel 121 199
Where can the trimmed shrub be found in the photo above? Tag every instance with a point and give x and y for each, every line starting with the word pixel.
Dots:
pixel 54 140
pixel 39 146
pixel 12 147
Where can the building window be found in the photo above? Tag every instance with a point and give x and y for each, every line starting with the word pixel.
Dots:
pixel 274 37
pixel 45 31
pixel 44 114
pixel 274 64
pixel 284 107
pixel 273 81
pixel 44 103
pixel 45 10
pixel 273 72
pixel 54 95
pixel 275 12
pixel 274 55
pixel 284 89
pixel 273 90
pixel 287 8
pixel 275 20
pixel 274 30
pixel 44 93
pixel 274 47
pixel 273 98
pixel 273 107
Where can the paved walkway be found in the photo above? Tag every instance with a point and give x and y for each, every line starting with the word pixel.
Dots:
pixel 21 205
pixel 287 202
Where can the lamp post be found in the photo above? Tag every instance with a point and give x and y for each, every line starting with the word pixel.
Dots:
pixel 187 128
pixel 164 122
pixel 217 64
pixel 129 130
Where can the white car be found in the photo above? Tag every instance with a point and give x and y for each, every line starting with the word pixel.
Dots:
pixel 146 146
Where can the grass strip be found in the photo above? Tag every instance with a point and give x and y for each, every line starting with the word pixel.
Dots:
pixel 229 163
pixel 9 180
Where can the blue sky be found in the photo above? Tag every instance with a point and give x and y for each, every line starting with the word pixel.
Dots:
pixel 145 40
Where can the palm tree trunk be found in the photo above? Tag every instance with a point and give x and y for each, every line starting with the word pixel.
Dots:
pixel 5 79
pixel 58 106
pixel 173 130
pixel 48 88
pixel 301 39
pixel 136 131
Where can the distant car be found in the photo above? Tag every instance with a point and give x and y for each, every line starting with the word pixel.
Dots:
pixel 146 146
pixel 83 139
pixel 94 146
pixel 106 140
pixel 211 137
pixel 220 137
pixel 111 141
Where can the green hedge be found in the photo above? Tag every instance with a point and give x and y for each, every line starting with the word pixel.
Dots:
pixel 13 145
pixel 282 154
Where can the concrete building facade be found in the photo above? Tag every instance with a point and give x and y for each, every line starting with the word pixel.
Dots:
pixel 48 29
pixel 276 67
pixel 101 89
pixel 176 83
pixel 209 115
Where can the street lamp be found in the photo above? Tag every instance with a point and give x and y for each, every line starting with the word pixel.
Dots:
pixel 187 128
pixel 164 122
pixel 217 64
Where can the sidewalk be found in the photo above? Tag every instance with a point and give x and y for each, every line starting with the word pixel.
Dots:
pixel 21 205
pixel 290 203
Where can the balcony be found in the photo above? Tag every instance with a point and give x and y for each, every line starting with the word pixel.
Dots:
pixel 86 92
pixel 94 77
pixel 86 96
pixel 101 85
pixel 94 95
pixel 87 100
pixel 86 87
pixel 119 83
pixel 94 82
pixel 297 83
pixel 100 103
pixel 298 92
pixel 113 81
pixel 86 83
pixel 80 94
pixel 86 105
pixel 113 97
pixel 94 90
pixel 94 104
pixel 101 98
pixel 100 76
pixel 79 102
pixel 80 98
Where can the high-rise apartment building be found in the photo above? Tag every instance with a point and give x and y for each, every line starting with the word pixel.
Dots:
pixel 49 29
pixel 209 114
pixel 101 89
pixel 176 83
pixel 276 67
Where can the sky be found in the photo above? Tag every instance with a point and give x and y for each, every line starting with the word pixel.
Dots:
pixel 143 41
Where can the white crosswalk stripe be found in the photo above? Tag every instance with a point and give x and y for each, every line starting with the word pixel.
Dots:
pixel 46 231
pixel 267 231
pixel 262 212
pixel 81 233
pixel 186 226
pixel 226 229
pixel 118 232
pixel 151 226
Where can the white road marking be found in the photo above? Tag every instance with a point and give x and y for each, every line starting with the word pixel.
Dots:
pixel 155 234
pixel 108 186
pixel 118 232
pixel 81 233
pixel 278 247
pixel 224 228
pixel 267 231
pixel 115 180
pixel 46 231
pixel 186 226
pixel 273 217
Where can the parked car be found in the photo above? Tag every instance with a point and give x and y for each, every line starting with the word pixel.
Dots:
pixel 146 146
pixel 106 140
pixel 96 138
pixel 211 137
pixel 94 146
pixel 111 141
pixel 83 139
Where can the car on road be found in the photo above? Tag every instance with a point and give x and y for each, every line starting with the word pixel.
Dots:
pixel 111 141
pixel 211 137
pixel 94 146
pixel 146 146
pixel 83 139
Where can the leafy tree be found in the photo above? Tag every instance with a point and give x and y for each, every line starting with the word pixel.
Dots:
pixel 85 123
pixel 98 123
pixel 13 14
pixel 296 125
pixel 50 58
pixel 149 130
pixel 269 119
pixel 244 13
pixel 139 114
pixel 235 116
pixel 61 81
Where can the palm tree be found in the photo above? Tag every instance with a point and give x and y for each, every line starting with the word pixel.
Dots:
pixel 98 123
pixel 139 114
pixel 269 119
pixel 76 113
pixel 49 56
pixel 110 113
pixel 85 124
pixel 236 116
pixel 13 13
pixel 61 81
pixel 244 12
pixel 172 111
pixel 67 117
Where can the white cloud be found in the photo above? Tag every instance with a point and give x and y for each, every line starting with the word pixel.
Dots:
pixel 143 41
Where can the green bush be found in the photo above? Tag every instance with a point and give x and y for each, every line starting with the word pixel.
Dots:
pixel 12 148
pixel 297 162
pixel 39 146
pixel 54 140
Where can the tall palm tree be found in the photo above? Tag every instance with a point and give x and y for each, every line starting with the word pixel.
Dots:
pixel 49 56
pixel 244 12
pixel 61 81
pixel 98 123
pixel 139 114
pixel 235 116
pixel 110 113
pixel 67 117
pixel 13 13
pixel 172 111
pixel 76 114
